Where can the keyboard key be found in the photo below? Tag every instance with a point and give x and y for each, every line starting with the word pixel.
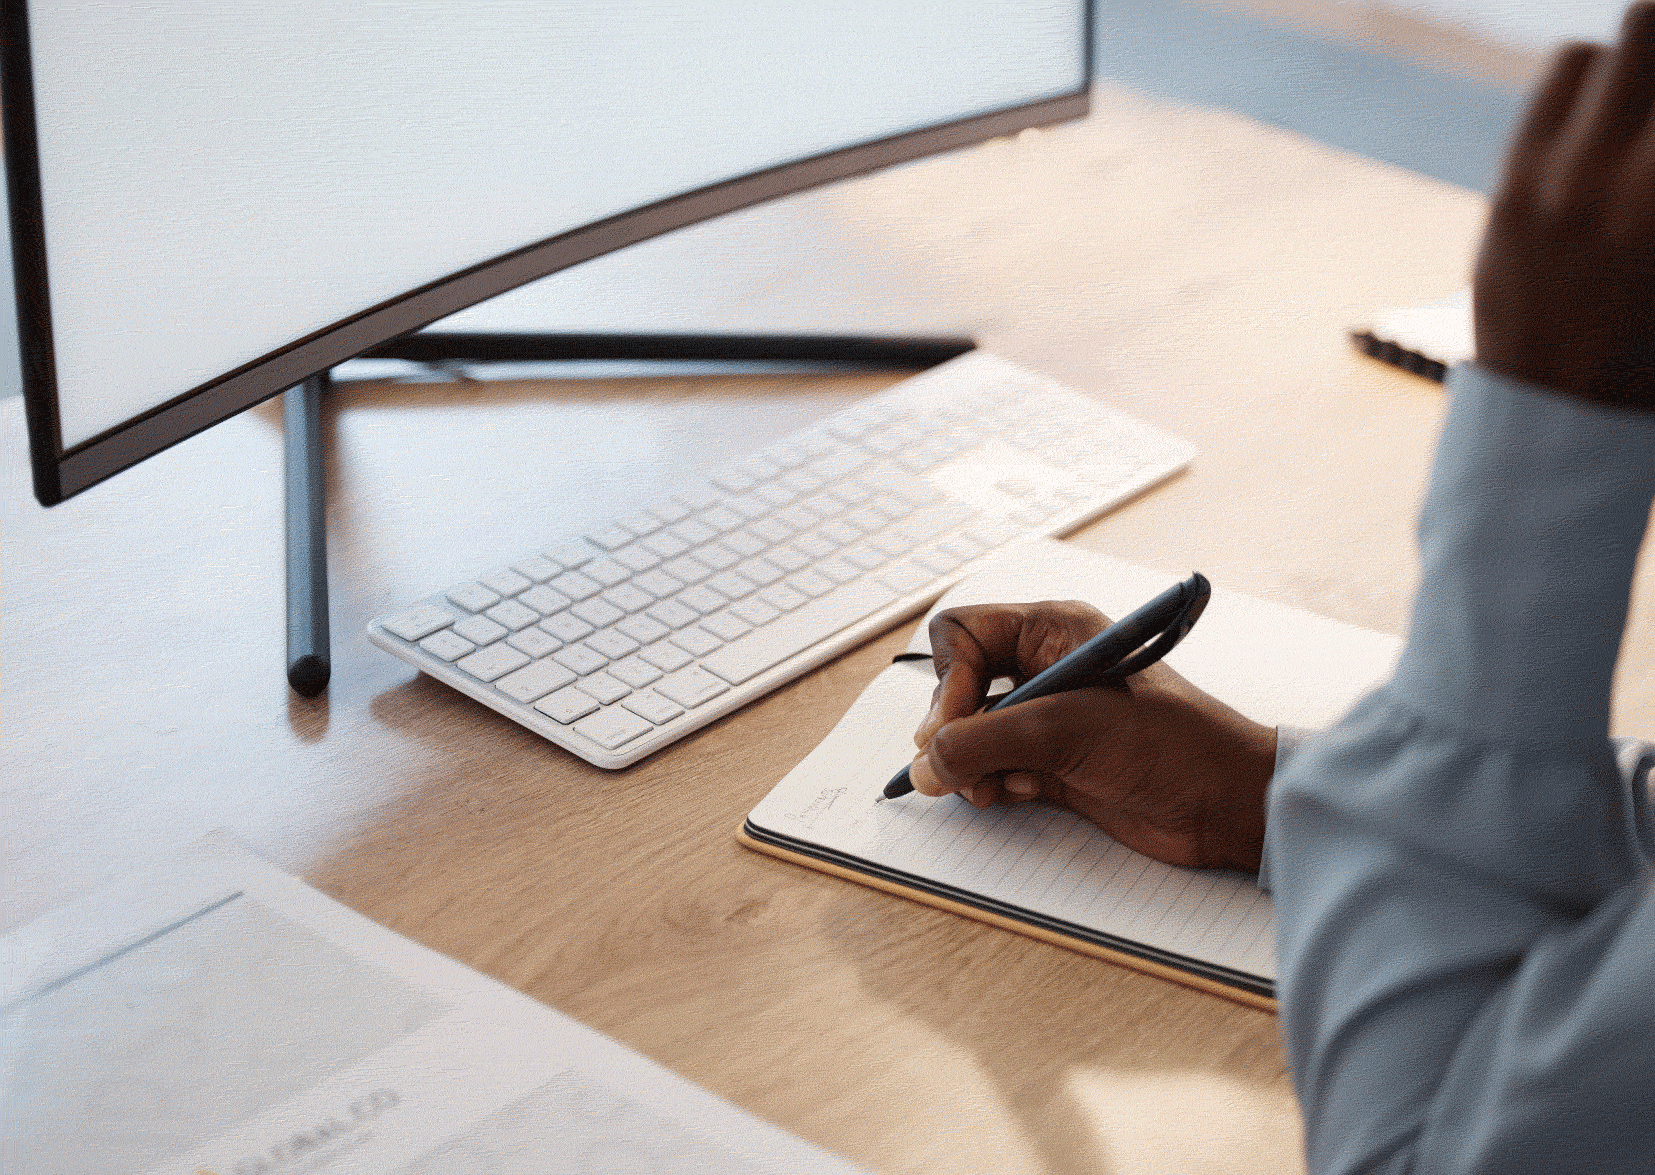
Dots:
pixel 480 630
pixel 421 621
pixel 774 494
pixel 760 571
pixel 789 558
pixel 810 583
pixel 643 629
pixel 937 560
pixel 635 672
pixel 607 572
pixel 800 481
pixel 473 597
pixel 637 557
pixel 798 517
pixel 888 544
pixel 579 659
pixel 604 688
pixel 536 567
pixel 653 706
pixel 612 728
pixel 779 595
pixel 746 658
pixel 690 687
pixel 640 524
pixel 725 626
pixel 837 570
pixel 673 614
pixel 759 469
pixel 658 584
pixel 665 545
pixel 487 664
pixel 505 581
pixel 687 569
pixel 868 520
pixel 863 555
pixel 667 510
pixel 744 543
pixel 731 585
pixel 772 531
pixel 702 598
pixel 447 645
pixel 566 626
pixel 611 643
pixel 904 578
pixel 754 612
pixel 628 598
pixel 609 537
pixel 962 547
pixel 569 555
pixel 698 498
pixel 732 481
pixel 576 586
pixel 814 545
pixel 534 642
pixel 722 519
pixel 545 600
pixel 717 556
pixel 512 614
pixel 749 506
pixel 597 613
pixel 534 681
pixel 666 655
pixel 694 532
pixel 566 705
pixel 840 533
pixel 695 640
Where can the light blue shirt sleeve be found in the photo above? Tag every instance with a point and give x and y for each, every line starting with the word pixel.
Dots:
pixel 1461 869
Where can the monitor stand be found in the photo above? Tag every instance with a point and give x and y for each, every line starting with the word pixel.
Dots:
pixel 308 659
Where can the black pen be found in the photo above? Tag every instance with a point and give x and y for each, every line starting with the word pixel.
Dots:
pixel 1116 653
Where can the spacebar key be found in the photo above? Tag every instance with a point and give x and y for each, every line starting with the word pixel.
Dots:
pixel 796 631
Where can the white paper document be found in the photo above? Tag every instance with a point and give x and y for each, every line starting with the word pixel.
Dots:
pixel 1035 862
pixel 219 1017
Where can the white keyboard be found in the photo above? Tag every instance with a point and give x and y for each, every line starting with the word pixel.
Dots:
pixel 616 642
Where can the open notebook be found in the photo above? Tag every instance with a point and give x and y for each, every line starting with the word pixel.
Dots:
pixel 1032 867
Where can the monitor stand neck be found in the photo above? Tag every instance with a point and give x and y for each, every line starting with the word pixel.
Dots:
pixel 308 658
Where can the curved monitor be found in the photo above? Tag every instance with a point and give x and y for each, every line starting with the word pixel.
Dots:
pixel 212 200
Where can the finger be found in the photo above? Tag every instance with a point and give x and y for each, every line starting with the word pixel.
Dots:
pixel 1021 785
pixel 1547 115
pixel 1615 98
pixel 973 645
pixel 1042 736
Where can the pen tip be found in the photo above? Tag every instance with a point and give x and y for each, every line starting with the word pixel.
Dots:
pixel 879 799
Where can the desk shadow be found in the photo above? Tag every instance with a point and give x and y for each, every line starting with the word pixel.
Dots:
pixel 1125 1026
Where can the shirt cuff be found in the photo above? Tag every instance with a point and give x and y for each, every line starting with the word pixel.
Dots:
pixel 1288 740
pixel 1531 527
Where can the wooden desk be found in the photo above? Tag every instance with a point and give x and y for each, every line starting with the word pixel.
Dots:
pixel 1187 265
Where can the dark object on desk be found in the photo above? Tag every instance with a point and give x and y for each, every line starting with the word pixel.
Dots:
pixel 1397 356
pixel 1154 630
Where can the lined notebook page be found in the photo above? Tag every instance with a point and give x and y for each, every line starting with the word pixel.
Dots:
pixel 1275 664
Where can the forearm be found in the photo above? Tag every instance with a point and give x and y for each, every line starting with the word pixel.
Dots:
pixel 1461 862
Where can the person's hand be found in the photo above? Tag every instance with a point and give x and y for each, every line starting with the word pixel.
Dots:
pixel 1159 765
pixel 1564 294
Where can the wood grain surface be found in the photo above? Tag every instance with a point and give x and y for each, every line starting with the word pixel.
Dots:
pixel 1184 264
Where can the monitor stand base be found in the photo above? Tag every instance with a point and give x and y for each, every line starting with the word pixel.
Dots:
pixel 308 660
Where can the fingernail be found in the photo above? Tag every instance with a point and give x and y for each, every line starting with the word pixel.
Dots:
pixel 927 727
pixel 922 777
pixel 970 793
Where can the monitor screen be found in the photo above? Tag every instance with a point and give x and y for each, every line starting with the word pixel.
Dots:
pixel 214 199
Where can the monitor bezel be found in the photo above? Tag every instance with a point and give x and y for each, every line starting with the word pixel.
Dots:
pixel 60 473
